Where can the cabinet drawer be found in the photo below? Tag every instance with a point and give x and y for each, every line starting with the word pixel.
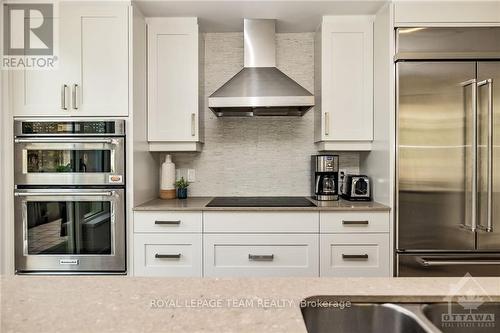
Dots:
pixel 350 222
pixel 257 222
pixel 167 221
pixel 167 255
pixel 355 255
pixel 261 255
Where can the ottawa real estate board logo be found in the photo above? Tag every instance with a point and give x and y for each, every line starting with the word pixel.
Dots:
pixel 470 310
pixel 28 38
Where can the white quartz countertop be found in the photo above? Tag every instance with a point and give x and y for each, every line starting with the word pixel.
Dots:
pixel 125 304
pixel 199 204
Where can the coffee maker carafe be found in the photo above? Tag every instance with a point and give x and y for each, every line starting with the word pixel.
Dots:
pixel 325 177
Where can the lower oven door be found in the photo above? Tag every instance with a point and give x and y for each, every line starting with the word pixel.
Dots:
pixel 69 161
pixel 448 264
pixel 70 230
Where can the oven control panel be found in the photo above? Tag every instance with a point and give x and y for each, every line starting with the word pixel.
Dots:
pixel 69 128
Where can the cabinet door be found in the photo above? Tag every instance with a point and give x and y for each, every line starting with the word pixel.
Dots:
pixel 354 222
pixel 168 255
pixel 253 255
pixel 354 255
pixel 261 222
pixel 41 92
pixel 172 79
pixel 99 54
pixel 347 84
pixel 171 222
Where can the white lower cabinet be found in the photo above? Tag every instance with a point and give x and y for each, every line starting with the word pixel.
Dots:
pixel 175 222
pixel 251 255
pixel 260 222
pixel 354 222
pixel 168 255
pixel 355 254
pixel 254 244
pixel 168 243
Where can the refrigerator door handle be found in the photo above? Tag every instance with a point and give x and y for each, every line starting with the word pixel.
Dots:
pixel 473 84
pixel 426 262
pixel 489 198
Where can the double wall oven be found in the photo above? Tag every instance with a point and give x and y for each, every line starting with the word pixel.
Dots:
pixel 69 196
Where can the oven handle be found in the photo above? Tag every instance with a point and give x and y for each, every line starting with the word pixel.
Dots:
pixel 65 140
pixel 46 194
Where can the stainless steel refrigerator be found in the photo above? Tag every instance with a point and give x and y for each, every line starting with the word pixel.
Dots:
pixel 448 151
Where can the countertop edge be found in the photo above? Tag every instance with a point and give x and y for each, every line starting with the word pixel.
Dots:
pixel 268 209
pixel 198 204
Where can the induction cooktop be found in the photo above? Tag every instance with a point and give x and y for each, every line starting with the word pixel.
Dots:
pixel 260 202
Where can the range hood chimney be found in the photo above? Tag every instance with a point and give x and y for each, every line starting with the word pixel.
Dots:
pixel 260 89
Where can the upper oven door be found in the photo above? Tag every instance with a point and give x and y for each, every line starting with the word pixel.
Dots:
pixel 69 161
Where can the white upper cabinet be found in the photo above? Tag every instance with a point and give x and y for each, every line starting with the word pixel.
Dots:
pixel 174 84
pixel 43 92
pixel 91 78
pixel 99 49
pixel 446 13
pixel 344 83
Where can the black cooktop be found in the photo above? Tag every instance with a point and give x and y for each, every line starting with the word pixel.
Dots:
pixel 260 202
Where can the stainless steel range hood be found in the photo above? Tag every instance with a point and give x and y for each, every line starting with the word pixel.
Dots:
pixel 260 89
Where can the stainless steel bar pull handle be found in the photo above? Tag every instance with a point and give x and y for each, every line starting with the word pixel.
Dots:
pixel 59 194
pixel 355 222
pixel 474 156
pixel 473 85
pixel 193 124
pixel 261 257
pixel 177 222
pixel 489 185
pixel 426 262
pixel 354 256
pixel 64 91
pixel 168 256
pixel 75 98
pixel 64 140
pixel 327 123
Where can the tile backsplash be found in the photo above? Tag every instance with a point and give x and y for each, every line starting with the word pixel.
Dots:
pixel 259 155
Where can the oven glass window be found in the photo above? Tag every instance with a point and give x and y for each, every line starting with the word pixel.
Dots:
pixel 69 227
pixel 69 161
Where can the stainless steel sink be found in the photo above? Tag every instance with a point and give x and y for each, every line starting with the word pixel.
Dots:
pixel 330 314
pixel 466 317
pixel 362 317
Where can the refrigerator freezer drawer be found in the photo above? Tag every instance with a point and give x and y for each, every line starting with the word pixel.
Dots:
pixel 448 264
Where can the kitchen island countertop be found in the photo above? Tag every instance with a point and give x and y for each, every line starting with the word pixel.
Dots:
pixel 130 304
pixel 199 204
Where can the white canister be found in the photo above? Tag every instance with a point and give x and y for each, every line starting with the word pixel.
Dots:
pixel 167 175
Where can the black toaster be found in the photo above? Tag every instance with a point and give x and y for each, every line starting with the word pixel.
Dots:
pixel 355 187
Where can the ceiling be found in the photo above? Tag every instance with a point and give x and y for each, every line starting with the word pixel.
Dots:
pixel 227 16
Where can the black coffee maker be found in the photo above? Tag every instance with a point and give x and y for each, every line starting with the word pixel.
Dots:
pixel 325 177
